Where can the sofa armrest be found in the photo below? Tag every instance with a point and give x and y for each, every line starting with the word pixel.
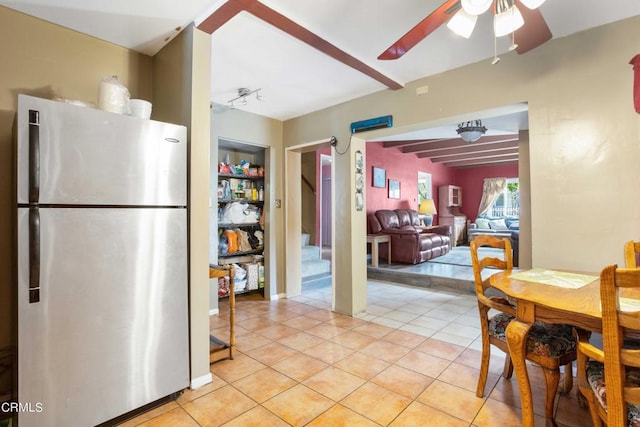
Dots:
pixel 407 231
pixel 444 230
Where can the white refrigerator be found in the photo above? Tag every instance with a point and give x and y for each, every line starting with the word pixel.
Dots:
pixel 102 270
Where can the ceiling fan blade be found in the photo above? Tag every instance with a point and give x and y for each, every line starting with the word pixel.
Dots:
pixel 422 30
pixel 534 32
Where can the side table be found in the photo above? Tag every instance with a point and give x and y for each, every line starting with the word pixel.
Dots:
pixel 218 349
pixel 375 240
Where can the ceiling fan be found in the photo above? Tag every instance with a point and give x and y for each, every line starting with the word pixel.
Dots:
pixel 531 32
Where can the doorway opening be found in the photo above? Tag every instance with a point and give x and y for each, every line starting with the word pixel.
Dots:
pixel 309 218
pixel 316 220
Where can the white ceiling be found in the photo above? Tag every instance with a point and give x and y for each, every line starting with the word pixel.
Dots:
pixel 296 79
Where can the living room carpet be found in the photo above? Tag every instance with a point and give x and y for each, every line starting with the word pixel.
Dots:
pixel 461 255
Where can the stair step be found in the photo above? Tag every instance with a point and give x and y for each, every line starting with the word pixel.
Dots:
pixel 310 253
pixel 305 239
pixel 314 268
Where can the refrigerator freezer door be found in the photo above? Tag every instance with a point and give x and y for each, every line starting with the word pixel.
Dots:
pixel 110 332
pixel 92 157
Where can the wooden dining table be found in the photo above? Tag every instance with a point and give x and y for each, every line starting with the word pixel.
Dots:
pixel 539 299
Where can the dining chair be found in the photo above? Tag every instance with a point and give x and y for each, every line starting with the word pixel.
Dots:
pixel 609 378
pixel 631 253
pixel 548 345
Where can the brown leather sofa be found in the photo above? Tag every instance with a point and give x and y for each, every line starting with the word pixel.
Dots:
pixel 411 243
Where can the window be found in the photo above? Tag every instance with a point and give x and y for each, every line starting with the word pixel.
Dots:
pixel 508 204
pixel 424 187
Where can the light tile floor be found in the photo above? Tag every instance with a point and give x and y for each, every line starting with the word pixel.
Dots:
pixel 411 360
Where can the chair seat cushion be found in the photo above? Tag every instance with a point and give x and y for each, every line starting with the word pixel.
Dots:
pixel 595 376
pixel 544 339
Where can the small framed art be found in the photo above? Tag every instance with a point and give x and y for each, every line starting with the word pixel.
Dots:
pixel 359 161
pixel 379 177
pixel 394 189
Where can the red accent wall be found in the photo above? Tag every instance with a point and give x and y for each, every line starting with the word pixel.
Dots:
pixel 404 168
pixel 470 180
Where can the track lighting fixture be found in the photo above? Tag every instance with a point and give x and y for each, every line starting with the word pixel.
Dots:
pixel 243 92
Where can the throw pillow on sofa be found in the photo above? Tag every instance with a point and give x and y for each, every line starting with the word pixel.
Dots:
pixel 513 224
pixel 498 225
pixel 482 223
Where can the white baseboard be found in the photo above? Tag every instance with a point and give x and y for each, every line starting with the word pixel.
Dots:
pixel 214 311
pixel 200 381
pixel 280 296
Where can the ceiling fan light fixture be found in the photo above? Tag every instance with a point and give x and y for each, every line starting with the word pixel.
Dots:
pixel 532 4
pixel 462 23
pixel 507 18
pixel 471 131
pixel 476 7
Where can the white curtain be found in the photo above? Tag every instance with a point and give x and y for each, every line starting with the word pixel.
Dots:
pixel 492 188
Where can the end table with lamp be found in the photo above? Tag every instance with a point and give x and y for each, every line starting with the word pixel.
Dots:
pixel 427 209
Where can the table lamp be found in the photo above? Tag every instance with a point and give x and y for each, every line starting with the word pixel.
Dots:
pixel 428 209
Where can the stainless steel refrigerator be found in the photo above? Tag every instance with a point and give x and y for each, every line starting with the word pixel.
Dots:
pixel 102 263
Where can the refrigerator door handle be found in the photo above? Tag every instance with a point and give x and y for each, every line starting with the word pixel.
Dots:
pixel 34 254
pixel 34 156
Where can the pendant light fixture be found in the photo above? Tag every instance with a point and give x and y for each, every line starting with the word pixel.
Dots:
pixel 471 131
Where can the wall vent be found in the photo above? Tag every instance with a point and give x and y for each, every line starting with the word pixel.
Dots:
pixel 369 124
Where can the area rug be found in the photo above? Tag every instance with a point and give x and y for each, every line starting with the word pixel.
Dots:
pixel 461 255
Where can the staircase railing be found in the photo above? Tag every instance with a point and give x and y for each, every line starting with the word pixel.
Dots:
pixel 306 181
pixel 313 190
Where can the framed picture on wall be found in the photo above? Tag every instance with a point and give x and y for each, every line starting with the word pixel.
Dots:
pixel 394 189
pixel 359 161
pixel 379 177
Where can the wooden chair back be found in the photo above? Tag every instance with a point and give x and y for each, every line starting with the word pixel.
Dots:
pixel 479 264
pixel 620 315
pixel 488 302
pixel 631 253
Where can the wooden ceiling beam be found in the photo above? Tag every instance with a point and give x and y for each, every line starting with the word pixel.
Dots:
pixel 468 149
pixel 482 162
pixel 475 155
pixel 232 7
pixel 487 164
pixel 223 14
pixel 407 142
pixel 458 142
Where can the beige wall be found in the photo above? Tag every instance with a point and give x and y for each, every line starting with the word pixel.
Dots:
pixel 182 74
pixel 584 137
pixel 42 59
pixel 248 128
pixel 349 231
